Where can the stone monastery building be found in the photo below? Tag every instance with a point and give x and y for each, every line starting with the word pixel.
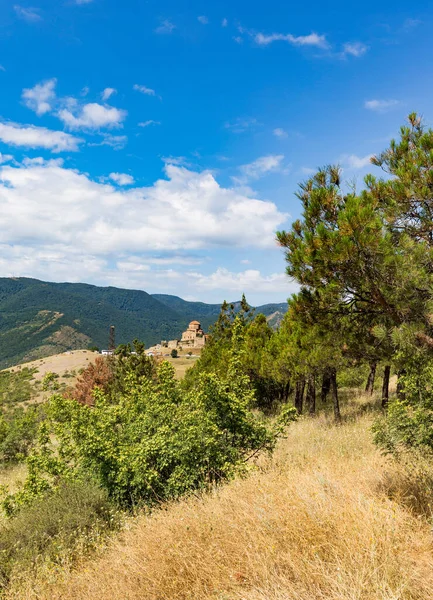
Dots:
pixel 193 336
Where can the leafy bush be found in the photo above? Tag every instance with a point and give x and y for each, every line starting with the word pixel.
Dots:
pixel 155 442
pixel 53 528
pixel 15 386
pixel 408 424
pixel 174 353
pixel 18 432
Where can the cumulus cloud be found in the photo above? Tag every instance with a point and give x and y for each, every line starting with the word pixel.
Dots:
pixel 186 211
pixel 91 116
pixel 356 49
pixel 356 162
pixel 381 105
pixel 271 163
pixel 250 280
pixel 313 39
pixel 40 98
pixel 166 27
pixel 107 93
pixel 30 136
pixel 281 133
pixel 203 20
pixel 122 178
pixel 31 15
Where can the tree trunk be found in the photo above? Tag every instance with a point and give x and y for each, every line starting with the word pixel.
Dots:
pixel 299 395
pixel 311 394
pixel 326 386
pixel 385 386
pixel 400 385
pixel 369 388
pixel 334 391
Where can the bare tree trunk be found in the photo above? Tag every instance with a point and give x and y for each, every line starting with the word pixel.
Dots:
pixel 311 394
pixel 299 395
pixel 326 386
pixel 400 385
pixel 385 386
pixel 369 388
pixel 334 391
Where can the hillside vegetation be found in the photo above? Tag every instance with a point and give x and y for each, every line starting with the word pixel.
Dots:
pixel 328 518
pixel 38 318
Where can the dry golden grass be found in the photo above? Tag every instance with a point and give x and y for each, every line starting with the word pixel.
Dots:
pixel 313 523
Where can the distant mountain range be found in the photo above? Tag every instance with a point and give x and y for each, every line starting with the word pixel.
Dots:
pixel 39 319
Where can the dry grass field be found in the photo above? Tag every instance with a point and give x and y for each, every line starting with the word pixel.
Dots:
pixel 327 518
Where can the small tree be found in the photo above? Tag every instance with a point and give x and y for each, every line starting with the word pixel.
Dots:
pixel 174 353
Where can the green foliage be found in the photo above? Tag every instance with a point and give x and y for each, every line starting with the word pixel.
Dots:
pixel 57 528
pixel 15 387
pixel 157 441
pixel 174 353
pixel 270 385
pixel 50 383
pixel 18 431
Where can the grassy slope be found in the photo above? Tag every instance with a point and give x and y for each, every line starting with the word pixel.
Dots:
pixel 314 523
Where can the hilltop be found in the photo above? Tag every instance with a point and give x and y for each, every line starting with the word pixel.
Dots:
pixel 39 318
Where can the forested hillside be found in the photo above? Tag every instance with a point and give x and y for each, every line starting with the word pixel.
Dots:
pixel 38 318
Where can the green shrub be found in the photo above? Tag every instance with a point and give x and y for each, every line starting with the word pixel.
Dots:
pixel 18 432
pixel 54 529
pixel 156 442
pixel 174 353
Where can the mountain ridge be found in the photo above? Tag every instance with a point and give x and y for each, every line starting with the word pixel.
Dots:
pixel 39 318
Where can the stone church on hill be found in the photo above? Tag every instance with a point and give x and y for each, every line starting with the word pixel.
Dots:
pixel 194 336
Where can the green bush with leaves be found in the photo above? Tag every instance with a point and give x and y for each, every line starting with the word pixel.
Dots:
pixel 157 441
pixel 18 432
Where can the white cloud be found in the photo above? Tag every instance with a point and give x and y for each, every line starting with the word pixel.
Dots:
pixel 166 27
pixel 224 23
pixel 278 132
pixel 354 49
pixel 56 206
pixel 250 280
pixel 308 171
pixel 31 15
pixel 148 123
pixel 4 158
pixel 381 105
pixel 117 142
pixel 91 116
pixel 30 136
pixel 356 162
pixel 144 90
pixel 122 178
pixel 260 167
pixel 107 93
pixel 40 98
pixel 313 39
pixel 238 39
pixel 203 20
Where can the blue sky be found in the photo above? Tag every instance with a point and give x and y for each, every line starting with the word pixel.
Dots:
pixel 158 145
